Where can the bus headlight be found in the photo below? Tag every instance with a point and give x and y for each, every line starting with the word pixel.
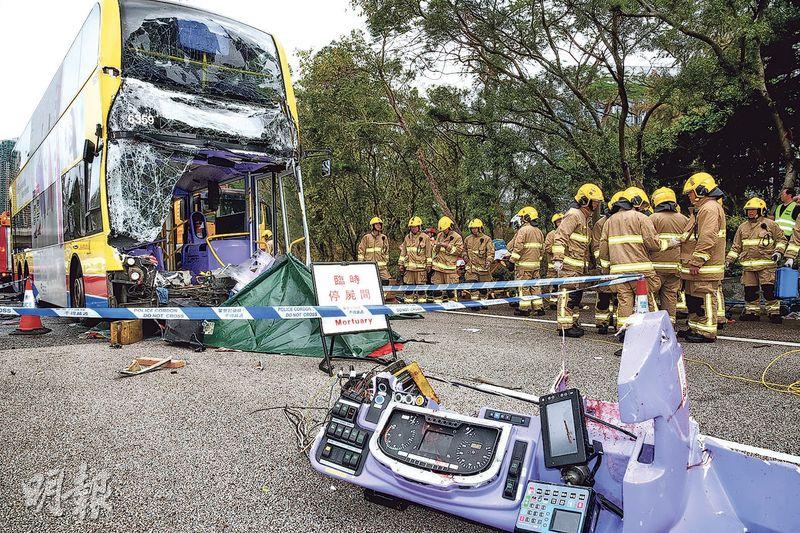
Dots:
pixel 130 261
pixel 134 275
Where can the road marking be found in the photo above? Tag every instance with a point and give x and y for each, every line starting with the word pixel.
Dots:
pixel 546 321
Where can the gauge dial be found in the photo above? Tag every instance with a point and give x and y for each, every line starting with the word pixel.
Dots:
pixel 473 454
pixel 400 436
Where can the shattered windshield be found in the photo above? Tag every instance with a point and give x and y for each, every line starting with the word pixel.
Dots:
pixel 198 52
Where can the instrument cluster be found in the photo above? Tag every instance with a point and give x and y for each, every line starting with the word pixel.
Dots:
pixel 438 444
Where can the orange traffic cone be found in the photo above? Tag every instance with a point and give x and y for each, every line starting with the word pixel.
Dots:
pixel 641 296
pixel 30 324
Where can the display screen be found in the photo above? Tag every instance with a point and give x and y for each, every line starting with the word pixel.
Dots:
pixel 436 443
pixel 561 426
pixel 565 521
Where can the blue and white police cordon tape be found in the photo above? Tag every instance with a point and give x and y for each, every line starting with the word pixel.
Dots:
pixel 294 312
pixel 517 283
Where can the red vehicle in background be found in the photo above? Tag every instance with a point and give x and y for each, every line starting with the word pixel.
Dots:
pixel 5 247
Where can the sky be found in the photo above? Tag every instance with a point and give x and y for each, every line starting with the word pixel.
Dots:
pixel 36 34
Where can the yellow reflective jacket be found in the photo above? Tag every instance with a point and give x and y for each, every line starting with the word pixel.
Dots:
pixel 479 252
pixel 446 251
pixel 627 241
pixel 572 242
pixel 527 251
pixel 754 243
pixel 669 225
pixel 703 242
pixel 375 247
pixel 416 252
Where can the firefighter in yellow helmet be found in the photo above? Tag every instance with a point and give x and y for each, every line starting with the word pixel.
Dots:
pixel 416 258
pixel 548 252
pixel 758 245
pixel 603 307
pixel 669 224
pixel 479 256
pixel 702 257
pixel 526 254
pixel 571 254
pixel 266 244
pixel 638 199
pixel 628 239
pixel 447 248
pixel 374 246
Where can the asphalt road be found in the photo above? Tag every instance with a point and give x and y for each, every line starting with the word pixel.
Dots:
pixel 186 451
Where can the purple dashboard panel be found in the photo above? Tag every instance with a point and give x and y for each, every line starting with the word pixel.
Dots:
pixel 489 469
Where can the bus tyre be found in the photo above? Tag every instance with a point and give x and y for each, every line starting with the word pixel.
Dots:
pixel 77 291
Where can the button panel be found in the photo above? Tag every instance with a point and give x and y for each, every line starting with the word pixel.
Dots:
pixel 344 444
pixel 511 418
pixel 545 505
pixel 515 470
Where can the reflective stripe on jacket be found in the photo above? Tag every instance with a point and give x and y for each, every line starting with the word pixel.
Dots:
pixel 374 248
pixel 755 242
pixel 627 240
pixel 668 225
pixel 479 252
pixel 446 254
pixel 528 245
pixel 572 241
pixel 416 252
pixel 703 242
pixel 794 243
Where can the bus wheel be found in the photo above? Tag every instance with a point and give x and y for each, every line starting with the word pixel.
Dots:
pixel 77 291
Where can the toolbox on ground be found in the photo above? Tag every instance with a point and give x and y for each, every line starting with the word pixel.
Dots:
pixel 786 283
pixel 126 331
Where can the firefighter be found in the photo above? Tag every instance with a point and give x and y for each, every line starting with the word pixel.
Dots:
pixel 638 199
pixel 626 243
pixel 447 248
pixel 548 253
pixel 515 223
pixel 669 224
pixel 571 249
pixel 603 309
pixel 374 246
pixel 758 245
pixel 416 258
pixel 479 251
pixel 702 257
pixel 266 244
pixel 526 255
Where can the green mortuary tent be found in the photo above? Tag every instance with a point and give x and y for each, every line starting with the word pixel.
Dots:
pixel 286 282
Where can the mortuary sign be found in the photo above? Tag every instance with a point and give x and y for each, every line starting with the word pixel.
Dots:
pixel 349 286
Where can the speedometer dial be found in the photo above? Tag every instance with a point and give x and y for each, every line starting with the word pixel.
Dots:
pixel 473 454
pixel 400 436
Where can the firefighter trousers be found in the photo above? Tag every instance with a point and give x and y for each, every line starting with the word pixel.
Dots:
pixel 527 305
pixel 701 301
pixel 668 293
pixel 765 280
pixel 568 307
pixel 440 278
pixel 604 307
pixel 477 277
pixel 415 277
pixel 626 296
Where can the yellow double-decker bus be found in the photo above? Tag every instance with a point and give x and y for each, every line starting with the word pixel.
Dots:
pixel 167 140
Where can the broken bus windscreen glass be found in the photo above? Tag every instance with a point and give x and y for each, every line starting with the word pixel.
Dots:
pixel 200 53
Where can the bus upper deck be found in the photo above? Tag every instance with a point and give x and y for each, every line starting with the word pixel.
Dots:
pixel 164 105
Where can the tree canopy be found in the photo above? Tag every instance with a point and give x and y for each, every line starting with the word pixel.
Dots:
pixel 469 108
